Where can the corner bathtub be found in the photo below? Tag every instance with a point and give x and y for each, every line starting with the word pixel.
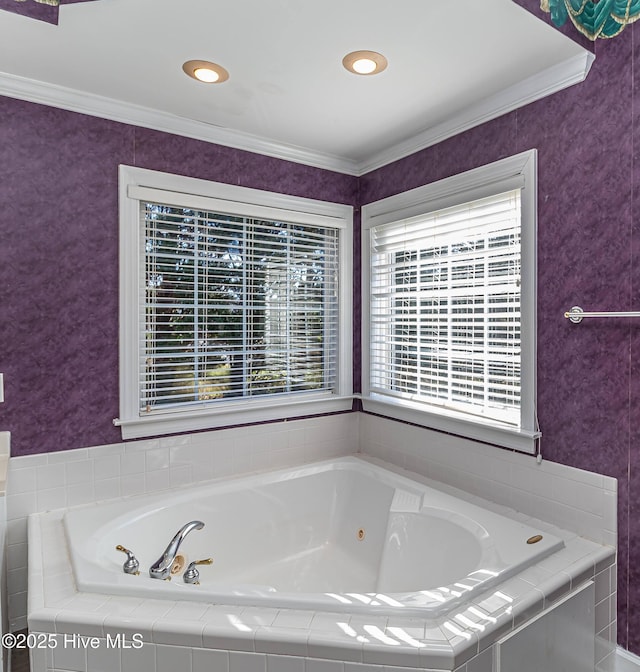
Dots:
pixel 346 535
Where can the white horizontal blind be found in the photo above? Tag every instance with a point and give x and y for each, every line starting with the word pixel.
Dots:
pixel 234 307
pixel 445 308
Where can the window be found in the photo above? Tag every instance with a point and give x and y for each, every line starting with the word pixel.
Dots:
pixel 450 313
pixel 233 305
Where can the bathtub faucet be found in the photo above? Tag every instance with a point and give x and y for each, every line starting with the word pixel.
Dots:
pixel 161 568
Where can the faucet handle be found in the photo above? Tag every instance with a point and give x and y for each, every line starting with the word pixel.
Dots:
pixel 192 575
pixel 131 564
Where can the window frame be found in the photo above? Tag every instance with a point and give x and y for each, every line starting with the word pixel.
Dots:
pixel 139 184
pixel 519 171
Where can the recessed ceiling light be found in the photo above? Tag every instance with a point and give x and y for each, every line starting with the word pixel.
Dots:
pixel 205 71
pixel 364 62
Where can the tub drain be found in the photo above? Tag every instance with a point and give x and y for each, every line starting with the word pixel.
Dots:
pixel 535 539
pixel 360 534
pixel 178 564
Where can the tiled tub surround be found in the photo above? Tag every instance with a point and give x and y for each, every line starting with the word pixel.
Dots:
pixel 191 636
pixel 572 499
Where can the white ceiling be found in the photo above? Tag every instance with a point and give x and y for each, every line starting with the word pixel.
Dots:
pixel 452 64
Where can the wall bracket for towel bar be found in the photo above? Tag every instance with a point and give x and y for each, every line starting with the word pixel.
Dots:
pixel 576 314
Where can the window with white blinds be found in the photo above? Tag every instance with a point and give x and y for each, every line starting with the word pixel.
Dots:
pixel 235 305
pixel 449 275
pixel 445 308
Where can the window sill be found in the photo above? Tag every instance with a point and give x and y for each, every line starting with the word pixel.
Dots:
pixel 240 413
pixel 493 433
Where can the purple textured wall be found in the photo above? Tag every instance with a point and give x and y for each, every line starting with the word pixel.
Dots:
pixel 59 258
pixel 588 255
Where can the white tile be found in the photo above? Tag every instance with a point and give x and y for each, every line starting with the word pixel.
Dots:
pixel 20 506
pixel 334 646
pixel 390 652
pixel 151 609
pixel 141 446
pixel 603 615
pixel 246 662
pixel 139 660
pixel 17 555
pixel 80 493
pixel 406 630
pixel 67 456
pixel 178 633
pixel 610 484
pixel 132 484
pixel 132 462
pixel 67 656
pixel 104 658
pixel 573 473
pixel 259 616
pixel 175 441
pixel 610 508
pixel 209 660
pixel 107 450
pixel 293 618
pixel 21 480
pixel 107 467
pixel 157 458
pixel 79 472
pixel 285 664
pixel 28 461
pixel 68 623
pixel 38 659
pixel 228 637
pixel 16 531
pixel 106 489
pixel 50 476
pixel 327 621
pixel 17 579
pixel 155 481
pixel 172 659
pixel 187 611
pixel 280 641
pixel 603 647
pixel 180 475
pixel 602 585
pixel 127 626
pixel 120 606
pixel 219 616
pixel 92 602
pixel 50 499
pixel 359 622
pixel 482 662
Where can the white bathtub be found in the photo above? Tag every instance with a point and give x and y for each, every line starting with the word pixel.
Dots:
pixel 345 535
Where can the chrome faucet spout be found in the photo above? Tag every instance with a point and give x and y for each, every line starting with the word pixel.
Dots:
pixel 161 568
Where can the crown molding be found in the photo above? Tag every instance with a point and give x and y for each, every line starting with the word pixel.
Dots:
pixel 555 78
pixel 93 105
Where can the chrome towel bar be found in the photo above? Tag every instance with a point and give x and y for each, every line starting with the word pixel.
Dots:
pixel 576 314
